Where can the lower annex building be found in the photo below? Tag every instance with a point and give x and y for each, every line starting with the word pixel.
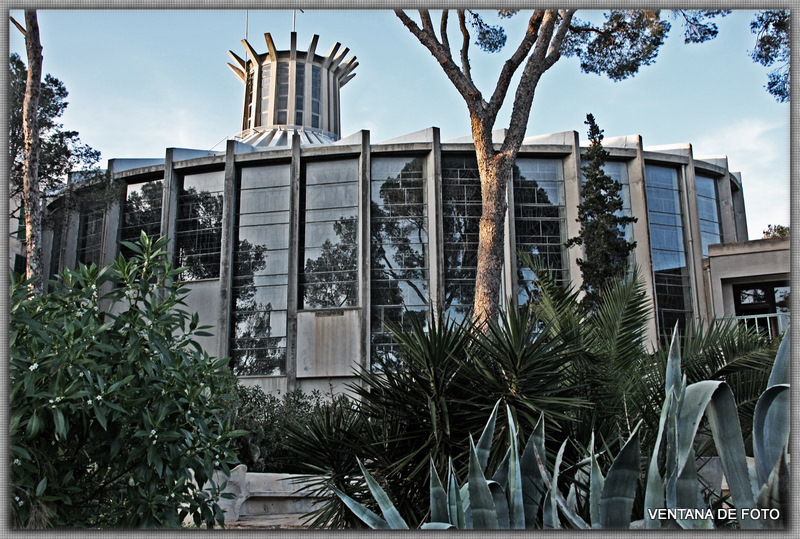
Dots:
pixel 301 244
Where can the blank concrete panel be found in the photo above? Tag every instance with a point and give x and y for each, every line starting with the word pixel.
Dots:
pixel 328 342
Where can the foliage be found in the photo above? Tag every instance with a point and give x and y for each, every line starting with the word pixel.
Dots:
pixel 773 44
pixel 522 485
pixel 114 407
pixel 602 223
pixel 62 150
pixel 776 231
pixel 327 444
pixel 267 420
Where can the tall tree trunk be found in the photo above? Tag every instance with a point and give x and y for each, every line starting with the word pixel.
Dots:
pixel 30 126
pixel 493 168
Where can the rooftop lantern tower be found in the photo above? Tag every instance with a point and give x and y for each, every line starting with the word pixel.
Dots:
pixel 291 91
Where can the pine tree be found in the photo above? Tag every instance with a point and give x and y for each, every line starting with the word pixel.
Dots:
pixel 602 223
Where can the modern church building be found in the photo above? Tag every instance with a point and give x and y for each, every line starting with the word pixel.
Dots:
pixel 300 243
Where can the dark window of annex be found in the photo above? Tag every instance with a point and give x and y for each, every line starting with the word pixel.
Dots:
pixel 198 236
pixel 328 243
pixel 708 211
pixel 261 272
pixel 399 250
pixel 141 212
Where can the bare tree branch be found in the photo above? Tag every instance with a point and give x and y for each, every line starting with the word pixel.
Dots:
pixel 462 25
pixel 443 31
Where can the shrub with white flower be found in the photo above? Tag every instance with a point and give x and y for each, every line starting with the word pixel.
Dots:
pixel 85 392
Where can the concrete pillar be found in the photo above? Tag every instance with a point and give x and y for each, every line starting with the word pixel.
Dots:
pixel 169 204
pixel 641 233
pixel 365 247
pixel 739 215
pixel 727 223
pixel 693 238
pixel 229 210
pixel 572 198
pixel 294 257
pixel 433 188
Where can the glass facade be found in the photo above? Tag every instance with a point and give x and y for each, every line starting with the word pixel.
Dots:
pixel 141 212
pixel 316 96
pixel 90 236
pixel 708 211
pixel 461 214
pixel 399 250
pixel 329 233
pixel 300 92
pixel 668 252
pixel 198 235
pixel 261 272
pixel 539 221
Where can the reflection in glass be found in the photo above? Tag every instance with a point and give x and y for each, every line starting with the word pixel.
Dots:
pixel 708 211
pixel 329 230
pixel 90 236
pixel 399 252
pixel 461 209
pixel 141 212
pixel 260 273
pixel 670 272
pixel 539 221
pixel 198 236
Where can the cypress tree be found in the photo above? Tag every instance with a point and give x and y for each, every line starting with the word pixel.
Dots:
pixel 602 235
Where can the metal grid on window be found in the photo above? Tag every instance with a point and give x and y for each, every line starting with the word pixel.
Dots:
pixel 299 92
pixel 198 235
pixel 316 95
pixel 539 221
pixel 708 211
pixel 141 212
pixel 399 251
pixel 668 253
pixel 282 96
pixel 329 232
pixel 461 208
pixel 261 272
pixel 90 236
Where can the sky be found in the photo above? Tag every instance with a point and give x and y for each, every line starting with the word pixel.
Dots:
pixel 140 81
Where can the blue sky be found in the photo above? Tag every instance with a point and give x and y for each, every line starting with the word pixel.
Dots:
pixel 142 81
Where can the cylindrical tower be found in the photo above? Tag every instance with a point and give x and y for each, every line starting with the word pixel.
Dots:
pixel 292 90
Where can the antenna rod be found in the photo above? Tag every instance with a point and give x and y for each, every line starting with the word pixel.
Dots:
pixel 294 15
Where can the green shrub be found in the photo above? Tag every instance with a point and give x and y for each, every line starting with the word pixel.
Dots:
pixel 267 419
pixel 115 411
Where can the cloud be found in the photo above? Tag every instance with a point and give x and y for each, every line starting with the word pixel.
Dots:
pixel 760 151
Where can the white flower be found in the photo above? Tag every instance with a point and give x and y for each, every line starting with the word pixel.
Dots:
pixel 20 503
pixel 153 432
pixel 33 367
pixel 58 399
pixel 51 401
pixel 171 494
pixel 99 397
pixel 17 463
pixel 80 374
pixel 216 463
pixel 89 402
pixel 154 442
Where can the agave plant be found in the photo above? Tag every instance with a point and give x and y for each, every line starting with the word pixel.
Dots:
pixel 522 485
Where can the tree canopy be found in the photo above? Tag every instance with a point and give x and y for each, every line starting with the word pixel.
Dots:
pixel 62 150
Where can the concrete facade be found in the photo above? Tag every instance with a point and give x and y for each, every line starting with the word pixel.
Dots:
pixel 300 246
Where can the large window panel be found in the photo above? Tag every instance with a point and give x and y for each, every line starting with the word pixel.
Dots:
pixel 461 205
pixel 141 212
pixel 198 236
pixel 90 236
pixel 399 251
pixel 539 220
pixel 708 211
pixel 668 252
pixel 261 272
pixel 329 230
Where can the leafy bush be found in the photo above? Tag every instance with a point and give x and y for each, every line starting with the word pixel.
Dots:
pixel 267 419
pixel 115 410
